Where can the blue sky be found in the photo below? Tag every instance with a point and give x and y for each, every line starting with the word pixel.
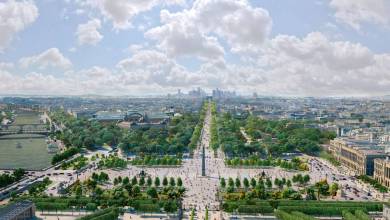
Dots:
pixel 135 47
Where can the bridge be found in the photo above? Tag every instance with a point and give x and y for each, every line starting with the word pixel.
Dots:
pixel 24 129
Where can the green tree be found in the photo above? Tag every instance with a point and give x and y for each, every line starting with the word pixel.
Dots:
pixel 238 182
pixel 276 182
pixel 78 191
pixel 246 183
pixel 134 180
pixel 116 181
pixel 165 181
pixel 157 181
pixel 152 192
pixel 149 181
pixel 268 183
pixel 306 179
pixel 172 181
pixel 103 177
pixel 126 180
pixel 222 182
pixel 142 181
pixel 289 183
pixel 231 182
pixel 310 194
pixel 333 189
pixel 136 191
pixel 253 182
pixel 179 182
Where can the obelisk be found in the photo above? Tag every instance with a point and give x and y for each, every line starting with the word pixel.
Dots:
pixel 203 162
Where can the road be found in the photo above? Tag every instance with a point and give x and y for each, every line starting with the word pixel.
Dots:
pixel 202 190
pixel 351 188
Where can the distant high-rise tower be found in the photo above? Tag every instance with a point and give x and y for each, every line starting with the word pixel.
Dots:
pixel 340 131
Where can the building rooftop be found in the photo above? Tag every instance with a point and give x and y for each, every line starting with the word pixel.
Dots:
pixel 373 152
pixel 366 147
pixel 13 210
pixel 105 115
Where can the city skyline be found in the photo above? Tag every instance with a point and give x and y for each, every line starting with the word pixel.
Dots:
pixel 155 47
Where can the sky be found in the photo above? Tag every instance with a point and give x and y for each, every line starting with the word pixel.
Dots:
pixel 150 47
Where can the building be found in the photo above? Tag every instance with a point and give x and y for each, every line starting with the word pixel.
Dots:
pixel 382 171
pixel 109 116
pixel 152 119
pixel 134 116
pixel 356 155
pixel 198 93
pixel 23 210
pixel 220 94
pixel 386 211
pixel 156 117
pixel 82 113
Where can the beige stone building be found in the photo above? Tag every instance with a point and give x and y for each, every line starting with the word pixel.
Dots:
pixel 356 155
pixel 382 171
pixel 386 211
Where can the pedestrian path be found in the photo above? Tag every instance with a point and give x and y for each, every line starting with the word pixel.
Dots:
pixel 202 191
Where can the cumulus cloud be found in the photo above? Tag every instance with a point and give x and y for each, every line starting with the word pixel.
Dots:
pixel 88 33
pixel 356 12
pixel 193 32
pixel 121 12
pixel 212 30
pixel 15 16
pixel 49 58
pixel 317 49
pixel 287 65
pixel 182 39
pixel 6 65
pixel 153 67
pixel 31 83
pixel 147 71
pixel 315 65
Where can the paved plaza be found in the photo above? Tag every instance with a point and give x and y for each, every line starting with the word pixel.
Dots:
pixel 202 191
